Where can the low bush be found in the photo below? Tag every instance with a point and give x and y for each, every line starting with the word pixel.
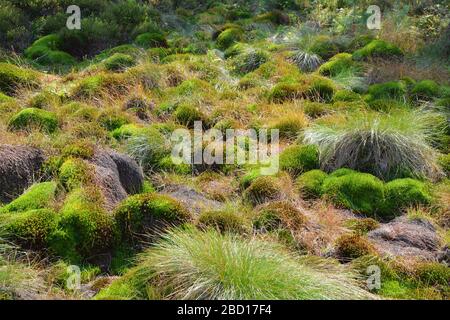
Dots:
pixel 352 246
pixel 297 159
pixel 34 118
pixel 142 212
pixel 310 183
pixel 119 62
pixel 13 78
pixel 378 49
pixel 261 190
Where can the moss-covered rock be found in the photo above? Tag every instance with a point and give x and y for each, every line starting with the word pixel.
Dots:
pixel 378 49
pixel 297 159
pixel 310 183
pixel 146 211
pixel 74 173
pixel 34 118
pixel 360 192
pixel 229 37
pixel 38 196
pixel 13 77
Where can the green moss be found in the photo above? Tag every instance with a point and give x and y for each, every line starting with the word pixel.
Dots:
pixel 151 40
pixel 352 246
pixel 229 37
pixel 362 226
pixel 13 77
pixel 337 64
pixel 38 196
pixel 310 183
pixel 166 164
pixel 425 90
pixel 187 114
pixel 34 118
pixel 261 190
pixel 287 91
pixel 360 192
pixel 249 177
pixel 297 159
pixel 346 95
pixel 112 119
pixel 377 49
pixel 74 173
pixel 389 90
pixel 402 193
pixel 433 274
pixel 277 17
pixel 119 62
pixel 80 149
pixel 4 98
pixel 128 130
pixel 85 228
pixel 249 61
pixel 32 228
pixel 342 172
pixel 290 126
pixel 140 212
pixel 223 220
pixel 45 51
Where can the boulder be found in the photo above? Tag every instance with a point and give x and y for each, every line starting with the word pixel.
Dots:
pixel 194 201
pixel 117 175
pixel 416 239
pixel 19 168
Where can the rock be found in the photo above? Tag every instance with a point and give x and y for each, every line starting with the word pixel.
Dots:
pixel 19 168
pixel 194 201
pixel 406 238
pixel 117 175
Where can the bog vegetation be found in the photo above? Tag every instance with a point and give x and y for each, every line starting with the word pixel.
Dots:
pixel 87 178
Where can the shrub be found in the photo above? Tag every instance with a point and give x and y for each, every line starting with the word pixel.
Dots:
pixel 261 190
pixel 38 196
pixel 352 246
pixel 378 49
pixel 13 77
pixel 387 145
pixel 425 90
pixel 290 125
pixel 74 173
pixel 298 159
pixel 229 37
pixel 34 118
pixel 310 183
pixel 362 226
pixel 85 229
pixel 224 220
pixel 151 40
pixel 187 114
pixel 146 211
pixel 389 90
pixel 190 264
pixel 119 62
pixel 434 274
pixel 359 192
pixel 279 215
pixel 402 193
pixel 249 61
pixel 32 228
pixel 339 63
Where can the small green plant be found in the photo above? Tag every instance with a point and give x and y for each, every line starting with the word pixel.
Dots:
pixel 352 246
pixel 13 78
pixel 34 118
pixel 74 173
pixel 297 159
pixel 403 193
pixel 279 215
pixel 425 90
pixel 151 40
pixel 310 183
pixel 226 220
pixel 186 115
pixel 363 225
pixel 360 192
pixel 229 37
pixel 38 196
pixel 249 61
pixel 378 49
pixel 261 190
pixel 390 90
pixel 119 62
pixel 144 211
pixel 339 63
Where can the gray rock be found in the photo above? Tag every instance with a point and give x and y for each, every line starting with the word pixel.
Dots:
pixel 19 168
pixel 402 237
pixel 194 201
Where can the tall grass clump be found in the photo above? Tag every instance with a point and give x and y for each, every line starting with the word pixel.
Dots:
pixel 190 264
pixel 389 146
